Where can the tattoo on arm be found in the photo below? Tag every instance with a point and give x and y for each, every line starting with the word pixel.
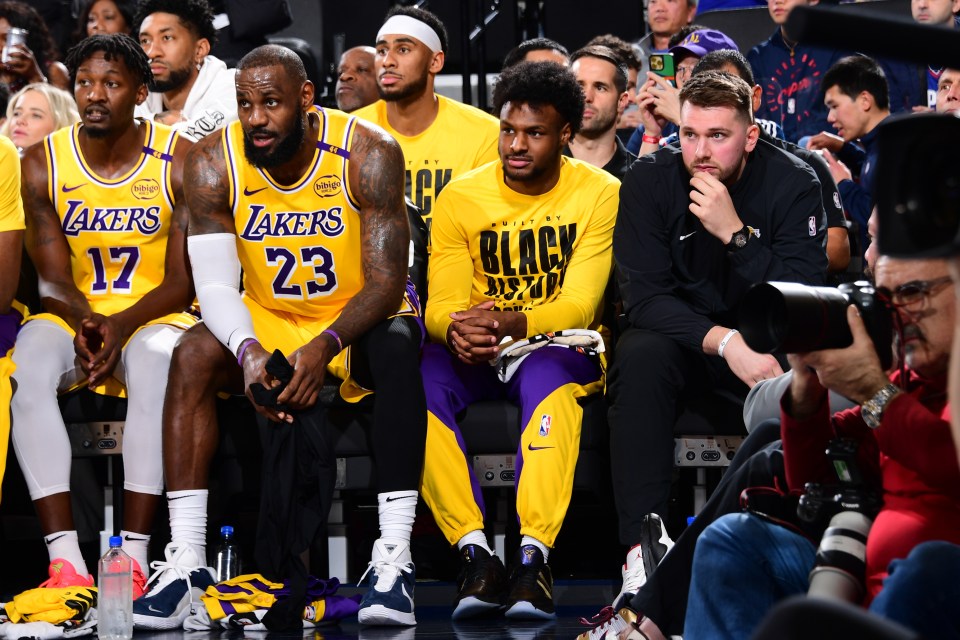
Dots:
pixel 207 189
pixel 377 176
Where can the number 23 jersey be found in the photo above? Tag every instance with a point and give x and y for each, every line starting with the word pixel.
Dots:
pixel 299 244
pixel 116 228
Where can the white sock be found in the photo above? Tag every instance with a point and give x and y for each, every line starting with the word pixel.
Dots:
pixel 65 545
pixel 477 537
pixel 543 548
pixel 137 546
pixel 397 510
pixel 188 518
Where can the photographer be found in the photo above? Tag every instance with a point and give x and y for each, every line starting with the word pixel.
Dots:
pixel 905 446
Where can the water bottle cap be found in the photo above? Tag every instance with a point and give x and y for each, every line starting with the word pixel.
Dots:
pixel 226 530
pixel 116 541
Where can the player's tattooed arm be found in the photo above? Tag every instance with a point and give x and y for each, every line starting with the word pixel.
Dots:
pixel 207 189
pixel 46 244
pixel 376 178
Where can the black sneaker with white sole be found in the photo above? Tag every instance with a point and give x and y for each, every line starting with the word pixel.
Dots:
pixel 530 595
pixel 481 584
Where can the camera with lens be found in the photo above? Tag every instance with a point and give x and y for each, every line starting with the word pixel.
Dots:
pixel 787 317
pixel 851 506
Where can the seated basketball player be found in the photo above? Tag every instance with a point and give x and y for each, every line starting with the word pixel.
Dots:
pixel 105 221
pixel 309 202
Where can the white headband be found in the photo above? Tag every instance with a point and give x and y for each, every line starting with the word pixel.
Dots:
pixel 412 27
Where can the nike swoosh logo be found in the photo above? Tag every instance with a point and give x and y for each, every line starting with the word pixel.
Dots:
pixel 403 589
pixel 62 535
pixel 150 608
pixel 395 499
pixel 682 238
pixel 533 448
pixel 247 192
pixel 177 498
pixel 128 538
pixel 67 189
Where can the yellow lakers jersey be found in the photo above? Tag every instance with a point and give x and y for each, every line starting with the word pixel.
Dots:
pixel 299 244
pixel 116 228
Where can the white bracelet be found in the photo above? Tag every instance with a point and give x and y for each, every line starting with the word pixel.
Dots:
pixel 726 339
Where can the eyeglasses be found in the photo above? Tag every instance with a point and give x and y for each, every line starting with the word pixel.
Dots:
pixel 913 292
pixel 684 72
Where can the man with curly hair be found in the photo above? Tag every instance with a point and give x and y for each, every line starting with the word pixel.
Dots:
pixel 521 247
pixel 192 91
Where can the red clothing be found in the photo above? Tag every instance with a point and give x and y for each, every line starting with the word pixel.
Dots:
pixel 911 453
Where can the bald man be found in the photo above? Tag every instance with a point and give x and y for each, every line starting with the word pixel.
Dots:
pixel 356 80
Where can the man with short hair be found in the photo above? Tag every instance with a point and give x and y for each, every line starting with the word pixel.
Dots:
pixel 106 220
pixel 326 287
pixel 521 249
pixel 537 50
pixel 625 52
pixel 696 227
pixel 935 13
pixel 603 79
pixel 665 18
pixel 659 100
pixel 789 72
pixel 856 94
pixel 356 79
pixel 948 91
pixel 743 564
pixel 192 91
pixel 441 138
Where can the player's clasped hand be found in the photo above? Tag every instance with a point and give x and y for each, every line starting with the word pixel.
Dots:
pixel 98 345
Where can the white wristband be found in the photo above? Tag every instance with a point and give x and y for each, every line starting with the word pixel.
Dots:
pixel 726 339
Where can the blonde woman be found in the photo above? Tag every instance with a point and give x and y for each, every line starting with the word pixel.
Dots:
pixel 35 112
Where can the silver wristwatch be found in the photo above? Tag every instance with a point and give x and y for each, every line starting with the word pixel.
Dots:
pixel 872 410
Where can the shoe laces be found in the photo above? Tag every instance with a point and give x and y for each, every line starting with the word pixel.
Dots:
pixel 386 571
pixel 170 569
pixel 606 621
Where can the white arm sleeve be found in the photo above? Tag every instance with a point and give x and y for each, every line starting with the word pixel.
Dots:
pixel 216 276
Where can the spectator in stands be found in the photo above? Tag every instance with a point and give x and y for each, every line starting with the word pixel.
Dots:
pixel 475 304
pixel 356 79
pixel 905 448
pixel 838 241
pixel 948 91
pixel 855 92
pixel 659 100
pixel 629 119
pixel 537 50
pixel 34 61
pixel 35 112
pixel 192 91
pixel 344 313
pixel 104 16
pixel 603 79
pixel 665 18
pixel 441 138
pixel 756 217
pixel 789 72
pixel 113 312
pixel 941 13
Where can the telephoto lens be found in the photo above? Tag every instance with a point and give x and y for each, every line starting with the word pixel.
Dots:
pixel 840 570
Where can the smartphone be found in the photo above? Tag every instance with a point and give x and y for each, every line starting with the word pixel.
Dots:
pixel 662 65
pixel 15 36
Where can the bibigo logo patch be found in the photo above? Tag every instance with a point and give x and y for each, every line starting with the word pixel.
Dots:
pixel 327 186
pixel 145 189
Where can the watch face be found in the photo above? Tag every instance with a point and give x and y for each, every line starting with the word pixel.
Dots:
pixel 740 240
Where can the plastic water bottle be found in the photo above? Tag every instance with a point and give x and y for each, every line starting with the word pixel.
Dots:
pixel 115 600
pixel 228 555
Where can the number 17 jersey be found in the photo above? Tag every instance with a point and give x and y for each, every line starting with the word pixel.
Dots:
pixel 116 228
pixel 299 244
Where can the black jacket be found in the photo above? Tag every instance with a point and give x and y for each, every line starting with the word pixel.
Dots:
pixel 676 278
